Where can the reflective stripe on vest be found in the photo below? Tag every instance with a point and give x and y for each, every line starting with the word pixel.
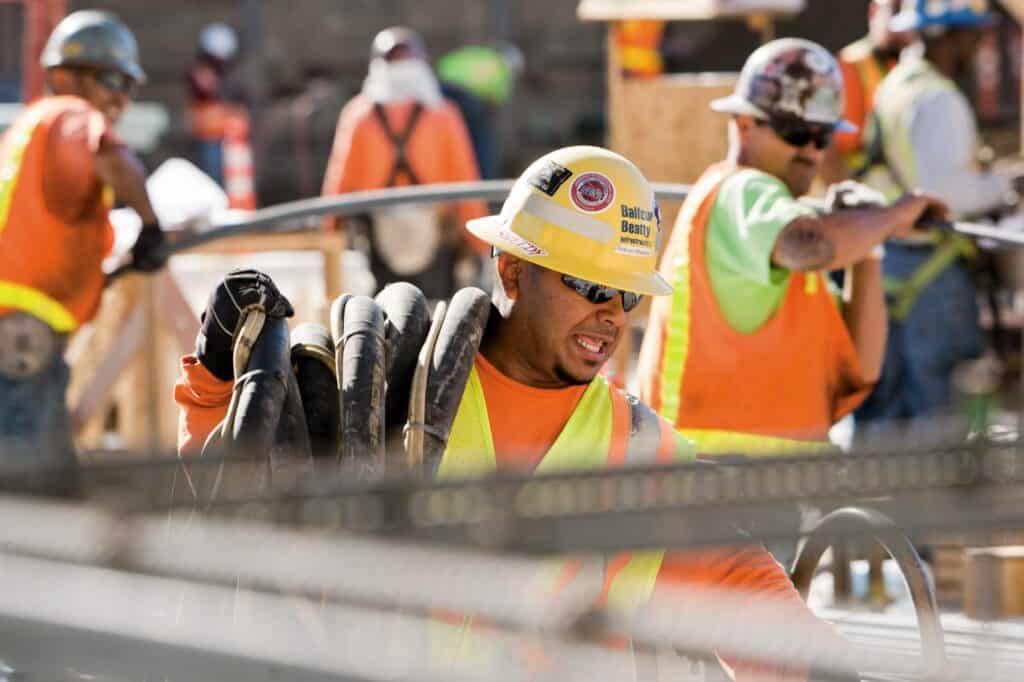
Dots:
pixel 37 304
pixel 713 442
pixel 19 296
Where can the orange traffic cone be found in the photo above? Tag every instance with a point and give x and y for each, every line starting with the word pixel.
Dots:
pixel 238 172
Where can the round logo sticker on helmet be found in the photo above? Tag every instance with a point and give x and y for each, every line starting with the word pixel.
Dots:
pixel 592 192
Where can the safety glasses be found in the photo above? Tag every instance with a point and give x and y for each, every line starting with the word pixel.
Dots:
pixel 797 133
pixel 116 81
pixel 597 294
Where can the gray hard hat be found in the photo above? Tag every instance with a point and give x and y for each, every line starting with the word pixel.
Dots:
pixel 792 78
pixel 93 39
pixel 398 42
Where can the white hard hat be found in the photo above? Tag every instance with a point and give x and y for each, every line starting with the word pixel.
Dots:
pixel 218 40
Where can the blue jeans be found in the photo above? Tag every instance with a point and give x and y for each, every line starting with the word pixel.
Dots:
pixel 940 332
pixel 35 433
pixel 211 160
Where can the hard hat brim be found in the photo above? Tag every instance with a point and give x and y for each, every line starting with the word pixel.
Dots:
pixel 735 104
pixel 908 22
pixel 495 231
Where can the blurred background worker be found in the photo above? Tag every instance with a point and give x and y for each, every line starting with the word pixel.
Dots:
pixel 210 108
pixel 62 166
pixel 924 136
pixel 479 79
pixel 864 64
pixel 752 354
pixel 401 131
pixel 567 275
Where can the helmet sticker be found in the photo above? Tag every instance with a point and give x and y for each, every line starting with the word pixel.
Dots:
pixel 592 192
pixel 639 231
pixel 524 245
pixel 549 177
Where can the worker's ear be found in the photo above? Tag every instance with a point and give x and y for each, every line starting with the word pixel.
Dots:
pixel 743 123
pixel 61 81
pixel 510 272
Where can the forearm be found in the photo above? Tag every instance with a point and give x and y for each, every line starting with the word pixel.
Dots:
pixel 838 240
pixel 119 168
pixel 865 316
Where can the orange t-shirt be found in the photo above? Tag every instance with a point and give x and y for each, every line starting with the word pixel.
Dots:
pixel 520 444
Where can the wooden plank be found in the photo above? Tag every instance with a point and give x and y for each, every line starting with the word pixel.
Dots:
pixel 283 241
pixel 683 10
pixel 994 582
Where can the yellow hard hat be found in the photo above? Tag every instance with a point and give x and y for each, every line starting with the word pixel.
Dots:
pixel 585 212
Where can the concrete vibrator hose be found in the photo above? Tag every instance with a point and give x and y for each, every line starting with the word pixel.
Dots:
pixel 457 344
pixel 358 330
pixel 315 372
pixel 407 316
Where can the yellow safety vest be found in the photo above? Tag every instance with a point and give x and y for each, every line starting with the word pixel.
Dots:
pixel 892 117
pixel 12 294
pixel 604 421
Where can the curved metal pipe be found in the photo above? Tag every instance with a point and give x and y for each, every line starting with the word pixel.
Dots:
pixel 858 520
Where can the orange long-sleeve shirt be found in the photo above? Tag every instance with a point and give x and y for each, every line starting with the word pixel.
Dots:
pixel 746 570
pixel 439 150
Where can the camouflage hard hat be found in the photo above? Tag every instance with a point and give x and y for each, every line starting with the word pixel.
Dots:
pixel 94 39
pixel 789 78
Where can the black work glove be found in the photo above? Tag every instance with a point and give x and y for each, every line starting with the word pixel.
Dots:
pixel 240 291
pixel 146 255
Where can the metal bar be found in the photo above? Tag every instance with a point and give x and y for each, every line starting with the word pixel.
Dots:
pixel 276 218
pixel 371 577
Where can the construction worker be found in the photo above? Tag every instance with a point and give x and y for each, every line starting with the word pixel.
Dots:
pixel 752 354
pixel 209 107
pixel 864 64
pixel 576 248
pixel 400 131
pixel 61 165
pixel 479 79
pixel 926 137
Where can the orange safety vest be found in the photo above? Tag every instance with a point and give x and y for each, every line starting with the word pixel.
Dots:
pixel 775 391
pixel 49 268
pixel 863 71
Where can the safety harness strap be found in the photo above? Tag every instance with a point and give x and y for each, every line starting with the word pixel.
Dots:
pixel 399 141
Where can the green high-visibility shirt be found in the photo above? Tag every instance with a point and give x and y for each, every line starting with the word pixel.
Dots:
pixel 750 211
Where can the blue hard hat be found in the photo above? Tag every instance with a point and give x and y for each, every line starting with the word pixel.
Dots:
pixel 918 15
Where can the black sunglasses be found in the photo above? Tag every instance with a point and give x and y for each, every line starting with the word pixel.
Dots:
pixel 597 294
pixel 116 81
pixel 797 133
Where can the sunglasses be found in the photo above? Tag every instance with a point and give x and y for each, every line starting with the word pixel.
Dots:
pixel 798 133
pixel 116 81
pixel 598 294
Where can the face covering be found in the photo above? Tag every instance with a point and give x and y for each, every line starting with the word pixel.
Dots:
pixel 402 80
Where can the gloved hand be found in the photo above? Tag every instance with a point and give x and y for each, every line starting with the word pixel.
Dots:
pixel 239 292
pixel 146 256
pixel 851 194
